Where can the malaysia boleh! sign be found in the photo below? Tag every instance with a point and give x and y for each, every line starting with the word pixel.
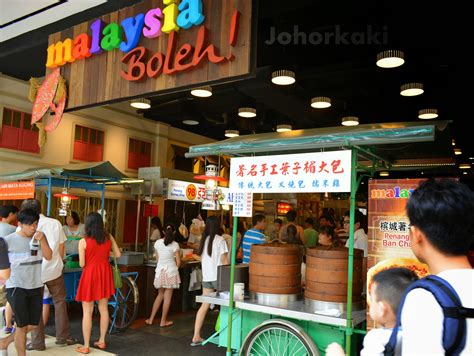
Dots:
pixel 154 46
pixel 389 229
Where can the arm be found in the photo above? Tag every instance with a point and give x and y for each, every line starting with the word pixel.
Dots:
pixel 224 258
pixel 178 258
pixel 62 251
pixel 4 260
pixel 47 252
pixel 82 253
pixel 115 249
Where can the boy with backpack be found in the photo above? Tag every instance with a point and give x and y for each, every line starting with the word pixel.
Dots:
pixel 386 293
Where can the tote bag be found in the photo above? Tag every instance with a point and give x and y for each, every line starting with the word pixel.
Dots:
pixel 117 275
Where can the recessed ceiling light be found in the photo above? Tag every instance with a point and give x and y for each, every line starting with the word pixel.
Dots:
pixel 457 151
pixel 247 112
pixel 231 133
pixel 390 59
pixel 202 92
pixel 411 89
pixel 428 114
pixel 283 77
pixel 320 102
pixel 465 166
pixel 384 174
pixel 284 128
pixel 140 103
pixel 350 121
pixel 191 122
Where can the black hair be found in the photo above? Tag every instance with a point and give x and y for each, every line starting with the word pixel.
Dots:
pixel 278 221
pixel 443 209
pixel 94 227
pixel 257 218
pixel 28 216
pixel 241 228
pixel 212 229
pixel 169 234
pixel 291 215
pixel 328 217
pixel 33 204
pixel 293 237
pixel 309 221
pixel 75 217
pixel 328 230
pixel 156 221
pixel 358 218
pixel 391 285
pixel 6 210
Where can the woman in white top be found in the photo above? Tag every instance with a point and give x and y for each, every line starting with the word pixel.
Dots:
pixel 73 226
pixel 213 251
pixel 166 275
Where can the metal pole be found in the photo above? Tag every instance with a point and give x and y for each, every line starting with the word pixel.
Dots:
pixel 50 188
pixel 138 222
pixel 102 201
pixel 350 265
pixel 231 296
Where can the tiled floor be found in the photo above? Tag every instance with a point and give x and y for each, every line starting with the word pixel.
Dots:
pixel 140 339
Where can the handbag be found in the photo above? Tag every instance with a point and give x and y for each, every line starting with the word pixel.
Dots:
pixel 117 275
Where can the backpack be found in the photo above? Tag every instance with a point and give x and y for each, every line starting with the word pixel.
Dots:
pixel 455 315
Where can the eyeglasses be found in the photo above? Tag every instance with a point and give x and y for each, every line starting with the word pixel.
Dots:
pixel 346 221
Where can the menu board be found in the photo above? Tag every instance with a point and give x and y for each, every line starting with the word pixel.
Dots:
pixel 243 203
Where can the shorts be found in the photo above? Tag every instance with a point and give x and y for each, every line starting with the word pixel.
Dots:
pixel 47 298
pixel 210 285
pixel 27 305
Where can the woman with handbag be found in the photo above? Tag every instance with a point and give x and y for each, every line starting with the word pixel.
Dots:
pixel 166 275
pixel 97 280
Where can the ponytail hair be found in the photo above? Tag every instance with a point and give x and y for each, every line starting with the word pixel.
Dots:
pixel 169 234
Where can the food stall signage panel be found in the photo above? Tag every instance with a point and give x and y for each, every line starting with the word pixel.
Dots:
pixel 195 192
pixel 298 173
pixel 17 190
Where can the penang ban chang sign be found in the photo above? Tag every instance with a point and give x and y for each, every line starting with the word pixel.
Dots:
pixel 193 192
pixel 298 173
pixel 153 46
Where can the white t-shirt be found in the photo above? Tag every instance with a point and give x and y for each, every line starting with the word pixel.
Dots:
pixel 360 241
pixel 155 235
pixel 209 263
pixel 166 257
pixel 422 317
pixel 375 341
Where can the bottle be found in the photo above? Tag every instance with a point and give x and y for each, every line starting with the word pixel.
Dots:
pixel 34 246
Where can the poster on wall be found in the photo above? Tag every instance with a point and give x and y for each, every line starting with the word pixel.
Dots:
pixel 389 229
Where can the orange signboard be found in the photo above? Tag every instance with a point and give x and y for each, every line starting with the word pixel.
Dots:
pixel 17 190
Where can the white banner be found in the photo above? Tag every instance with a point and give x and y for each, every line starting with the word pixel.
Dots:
pixel 187 191
pixel 306 172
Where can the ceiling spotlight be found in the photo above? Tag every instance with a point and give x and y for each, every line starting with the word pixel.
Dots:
pixel 231 133
pixel 140 103
pixel 284 128
pixel 428 114
pixel 411 89
pixel 350 121
pixel 202 92
pixel 457 151
pixel 320 102
pixel 384 174
pixel 191 122
pixel 390 59
pixel 465 166
pixel 453 142
pixel 247 112
pixel 283 77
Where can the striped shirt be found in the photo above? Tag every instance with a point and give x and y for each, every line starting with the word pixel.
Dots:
pixel 251 237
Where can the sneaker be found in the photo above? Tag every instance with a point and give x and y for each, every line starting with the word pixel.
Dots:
pixel 67 342
pixel 9 329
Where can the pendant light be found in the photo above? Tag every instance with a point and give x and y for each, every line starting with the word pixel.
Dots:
pixel 283 77
pixel 202 92
pixel 231 133
pixel 140 103
pixel 411 89
pixel 191 122
pixel 457 151
pixel 284 128
pixel 390 59
pixel 247 112
pixel 465 166
pixel 428 114
pixel 384 174
pixel 320 102
pixel 350 121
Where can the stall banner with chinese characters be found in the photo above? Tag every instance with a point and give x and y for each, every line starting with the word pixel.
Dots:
pixel 297 173
pixel 195 192
pixel 388 226
pixel 17 190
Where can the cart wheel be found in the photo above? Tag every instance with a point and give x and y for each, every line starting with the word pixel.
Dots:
pixel 277 337
pixel 123 305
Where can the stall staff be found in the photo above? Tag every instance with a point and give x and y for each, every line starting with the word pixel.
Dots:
pixel 360 237
pixel 254 236
pixel 291 217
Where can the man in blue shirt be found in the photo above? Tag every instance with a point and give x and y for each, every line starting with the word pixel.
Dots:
pixel 254 236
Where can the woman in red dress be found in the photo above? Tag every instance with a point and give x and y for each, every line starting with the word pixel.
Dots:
pixel 97 282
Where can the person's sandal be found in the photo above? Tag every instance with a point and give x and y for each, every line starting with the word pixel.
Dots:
pixel 29 347
pixel 100 345
pixel 67 342
pixel 83 350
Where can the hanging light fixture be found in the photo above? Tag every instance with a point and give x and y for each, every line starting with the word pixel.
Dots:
pixel 231 133
pixel 384 174
pixel 428 114
pixel 411 89
pixel 247 112
pixel 453 142
pixel 141 103
pixel 390 59
pixel 213 195
pixel 465 166
pixel 457 151
pixel 350 121
pixel 283 77
pixel 66 199
pixel 202 92
pixel 320 102
pixel 284 128
pixel 190 122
